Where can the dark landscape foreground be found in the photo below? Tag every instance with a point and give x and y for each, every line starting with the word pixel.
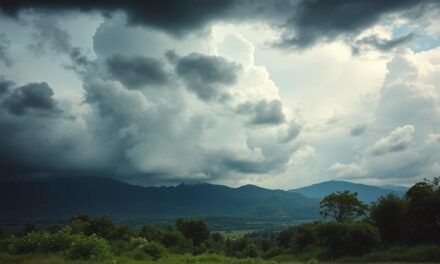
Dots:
pixel 394 228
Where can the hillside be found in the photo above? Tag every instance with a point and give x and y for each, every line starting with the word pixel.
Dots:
pixel 366 193
pixel 64 197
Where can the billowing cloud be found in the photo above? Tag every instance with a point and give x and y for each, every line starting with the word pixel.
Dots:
pixel 302 23
pixel 263 112
pixel 137 71
pixel 350 170
pixel 402 141
pixel 316 21
pixel 173 16
pixel 398 140
pixel 207 76
pixel 30 98
pixel 224 105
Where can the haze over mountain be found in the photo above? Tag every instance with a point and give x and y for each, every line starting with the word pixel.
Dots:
pixel 366 193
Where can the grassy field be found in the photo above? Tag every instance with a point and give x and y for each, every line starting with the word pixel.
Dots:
pixel 172 259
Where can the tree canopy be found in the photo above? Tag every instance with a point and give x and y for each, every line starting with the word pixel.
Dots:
pixel 342 206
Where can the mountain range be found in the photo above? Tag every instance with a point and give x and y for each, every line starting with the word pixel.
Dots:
pixel 366 193
pixel 63 197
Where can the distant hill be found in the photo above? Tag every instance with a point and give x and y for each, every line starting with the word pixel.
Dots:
pixel 366 193
pixel 64 197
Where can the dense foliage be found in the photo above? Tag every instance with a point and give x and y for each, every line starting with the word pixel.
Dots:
pixel 396 229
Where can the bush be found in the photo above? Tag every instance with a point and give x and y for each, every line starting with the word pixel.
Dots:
pixel 176 242
pixel 347 239
pixel 30 243
pixel 153 249
pixel 151 233
pixel 251 251
pixel 57 242
pixel 88 247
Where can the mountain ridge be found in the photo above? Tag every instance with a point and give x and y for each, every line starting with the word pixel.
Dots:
pixel 366 193
pixel 64 197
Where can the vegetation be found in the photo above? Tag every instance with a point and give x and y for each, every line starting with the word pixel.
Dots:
pixel 393 228
pixel 343 206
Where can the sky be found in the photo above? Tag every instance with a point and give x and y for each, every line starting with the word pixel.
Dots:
pixel 279 94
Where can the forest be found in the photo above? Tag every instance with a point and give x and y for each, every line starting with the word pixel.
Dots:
pixel 393 228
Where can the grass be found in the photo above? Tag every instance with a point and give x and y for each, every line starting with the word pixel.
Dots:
pixel 171 259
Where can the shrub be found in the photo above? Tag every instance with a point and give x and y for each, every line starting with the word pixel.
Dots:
pixel 151 233
pixel 88 247
pixel 196 230
pixel 153 249
pixel 175 241
pixel 30 243
pixel 57 242
pixel 347 239
pixel 251 251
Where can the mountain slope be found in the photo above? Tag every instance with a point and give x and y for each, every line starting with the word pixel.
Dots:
pixel 366 193
pixel 64 197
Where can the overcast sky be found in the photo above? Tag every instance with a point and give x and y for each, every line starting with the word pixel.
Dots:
pixel 280 94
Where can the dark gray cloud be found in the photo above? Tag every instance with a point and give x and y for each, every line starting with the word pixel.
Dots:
pixel 4 86
pixel 380 43
pixel 206 76
pixel 303 22
pixel 137 71
pixel 173 16
pixel 322 20
pixel 263 112
pixel 33 97
pixel 5 56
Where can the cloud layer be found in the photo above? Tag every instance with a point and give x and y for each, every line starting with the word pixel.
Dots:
pixel 277 93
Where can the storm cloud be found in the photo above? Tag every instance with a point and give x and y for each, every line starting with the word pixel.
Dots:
pixel 321 20
pixel 173 16
pixel 137 71
pixel 302 23
pixel 31 98
pixel 230 92
pixel 207 76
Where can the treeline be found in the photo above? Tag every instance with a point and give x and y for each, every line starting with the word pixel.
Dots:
pixel 391 229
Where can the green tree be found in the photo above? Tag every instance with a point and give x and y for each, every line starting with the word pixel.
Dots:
pixel 347 238
pixel 343 206
pixel 423 221
pixel 388 214
pixel 175 241
pixel 123 232
pixel 101 226
pixel 151 233
pixel 196 230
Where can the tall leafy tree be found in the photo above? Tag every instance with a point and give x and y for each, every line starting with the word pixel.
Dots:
pixel 196 230
pixel 342 206
pixel 388 214
pixel 424 211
